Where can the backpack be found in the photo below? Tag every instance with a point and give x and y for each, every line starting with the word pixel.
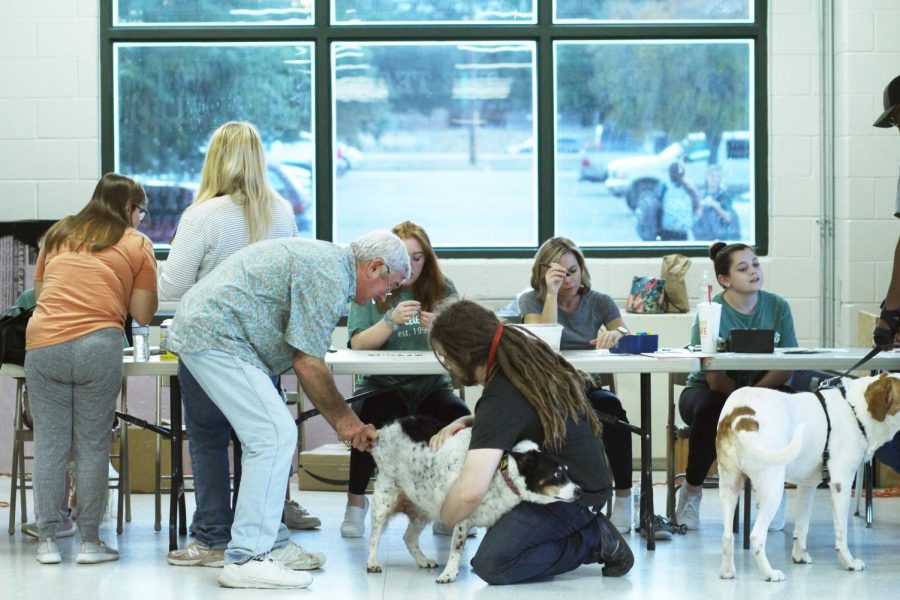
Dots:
pixel 12 335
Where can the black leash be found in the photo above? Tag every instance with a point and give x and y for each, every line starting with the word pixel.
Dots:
pixel 308 414
pixel 829 383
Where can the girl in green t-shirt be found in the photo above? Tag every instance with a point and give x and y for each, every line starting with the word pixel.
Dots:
pixel 401 322
pixel 745 305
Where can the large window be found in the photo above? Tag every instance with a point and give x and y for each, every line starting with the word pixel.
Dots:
pixel 631 126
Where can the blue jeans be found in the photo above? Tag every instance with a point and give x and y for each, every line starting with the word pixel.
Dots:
pixel 209 432
pixel 536 541
pixel 889 454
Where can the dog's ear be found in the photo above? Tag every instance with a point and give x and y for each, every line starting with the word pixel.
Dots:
pixel 883 397
pixel 524 460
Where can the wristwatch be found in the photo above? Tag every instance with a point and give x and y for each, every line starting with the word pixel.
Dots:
pixel 623 330
pixel 387 318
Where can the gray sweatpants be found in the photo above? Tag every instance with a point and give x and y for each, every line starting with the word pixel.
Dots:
pixel 73 388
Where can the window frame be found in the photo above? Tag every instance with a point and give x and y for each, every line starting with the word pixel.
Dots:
pixel 322 33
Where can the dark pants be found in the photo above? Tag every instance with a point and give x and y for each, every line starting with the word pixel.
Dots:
pixel 443 405
pixel 700 408
pixel 616 440
pixel 536 541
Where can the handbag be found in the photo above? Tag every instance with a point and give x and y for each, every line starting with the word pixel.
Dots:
pixel 646 295
pixel 12 335
pixel 674 268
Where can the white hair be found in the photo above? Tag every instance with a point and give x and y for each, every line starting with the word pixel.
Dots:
pixel 382 244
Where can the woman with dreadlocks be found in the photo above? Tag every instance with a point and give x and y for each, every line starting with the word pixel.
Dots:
pixel 530 393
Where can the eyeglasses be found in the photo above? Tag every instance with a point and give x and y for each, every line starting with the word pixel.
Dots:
pixel 392 287
pixel 142 212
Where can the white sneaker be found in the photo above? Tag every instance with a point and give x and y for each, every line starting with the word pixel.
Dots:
pixel 296 558
pixel 354 524
pixel 263 572
pixel 92 553
pixel 48 553
pixel 688 511
pixel 623 513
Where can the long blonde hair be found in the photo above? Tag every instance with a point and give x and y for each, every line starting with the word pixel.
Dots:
pixel 235 165
pixel 102 222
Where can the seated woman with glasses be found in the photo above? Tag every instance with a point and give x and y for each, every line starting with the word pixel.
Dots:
pixel 561 293
pixel 530 393
pixel 400 322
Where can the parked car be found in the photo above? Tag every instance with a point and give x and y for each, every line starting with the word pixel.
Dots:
pixel 302 153
pixel 564 145
pixel 591 166
pixel 634 176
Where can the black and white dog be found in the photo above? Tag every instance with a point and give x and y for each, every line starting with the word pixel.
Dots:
pixel 414 480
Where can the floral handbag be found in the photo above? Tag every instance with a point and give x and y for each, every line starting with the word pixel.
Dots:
pixel 646 295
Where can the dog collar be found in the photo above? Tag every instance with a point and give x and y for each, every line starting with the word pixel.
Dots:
pixel 503 467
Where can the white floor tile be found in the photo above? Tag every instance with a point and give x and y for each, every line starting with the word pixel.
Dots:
pixel 684 567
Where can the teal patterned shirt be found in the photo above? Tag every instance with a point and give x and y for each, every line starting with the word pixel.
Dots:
pixel 268 300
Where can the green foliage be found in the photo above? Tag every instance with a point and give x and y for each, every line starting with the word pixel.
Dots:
pixel 172 97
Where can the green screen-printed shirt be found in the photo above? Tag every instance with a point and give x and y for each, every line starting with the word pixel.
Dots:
pixel 266 301
pixel 771 312
pixel 409 336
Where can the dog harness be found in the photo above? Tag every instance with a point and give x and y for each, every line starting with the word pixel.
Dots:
pixel 834 384
pixel 503 467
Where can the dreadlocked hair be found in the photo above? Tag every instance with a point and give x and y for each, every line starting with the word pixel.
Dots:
pixel 550 384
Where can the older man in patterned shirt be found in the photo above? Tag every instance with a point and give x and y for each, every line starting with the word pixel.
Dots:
pixel 265 309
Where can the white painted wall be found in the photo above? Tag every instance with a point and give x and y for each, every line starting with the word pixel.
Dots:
pixel 49 151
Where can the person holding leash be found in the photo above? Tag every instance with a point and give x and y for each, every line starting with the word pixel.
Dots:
pixel 530 393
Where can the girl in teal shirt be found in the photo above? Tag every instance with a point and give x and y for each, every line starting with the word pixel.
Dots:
pixel 402 322
pixel 745 305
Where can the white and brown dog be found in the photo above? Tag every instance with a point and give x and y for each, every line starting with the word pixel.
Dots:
pixel 772 437
pixel 414 480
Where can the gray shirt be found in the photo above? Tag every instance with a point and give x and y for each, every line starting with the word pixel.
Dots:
pixel 580 326
pixel 268 300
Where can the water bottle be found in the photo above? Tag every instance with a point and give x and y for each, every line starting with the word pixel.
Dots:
pixel 636 507
pixel 140 336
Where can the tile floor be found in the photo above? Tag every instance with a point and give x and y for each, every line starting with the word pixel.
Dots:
pixel 685 567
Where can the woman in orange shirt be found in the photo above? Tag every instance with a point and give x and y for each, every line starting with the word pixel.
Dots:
pixel 93 269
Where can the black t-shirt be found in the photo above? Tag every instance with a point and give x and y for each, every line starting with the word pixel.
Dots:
pixel 503 417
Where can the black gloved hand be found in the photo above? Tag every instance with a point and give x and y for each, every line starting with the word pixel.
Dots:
pixel 886 329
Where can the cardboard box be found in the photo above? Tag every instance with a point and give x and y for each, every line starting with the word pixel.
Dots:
pixel 326 468
pixel 142 459
pixel 885 476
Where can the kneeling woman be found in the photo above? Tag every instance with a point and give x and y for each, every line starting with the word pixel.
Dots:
pixel 530 392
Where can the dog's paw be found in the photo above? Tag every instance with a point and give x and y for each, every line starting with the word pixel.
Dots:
pixel 373 568
pixel 447 577
pixel 774 575
pixel 726 573
pixel 426 563
pixel 802 558
pixel 856 565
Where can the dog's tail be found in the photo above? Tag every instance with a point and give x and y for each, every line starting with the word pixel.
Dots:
pixel 751 445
